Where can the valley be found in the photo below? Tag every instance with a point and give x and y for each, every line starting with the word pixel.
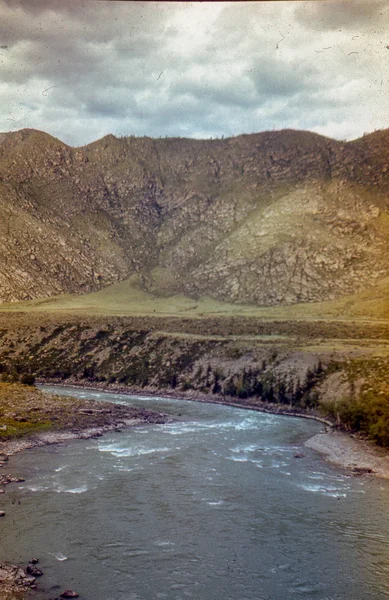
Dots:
pixel 194 300
pixel 253 268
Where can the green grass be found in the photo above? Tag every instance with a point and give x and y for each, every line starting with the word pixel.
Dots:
pixel 128 299
pixel 17 429
pixel 18 411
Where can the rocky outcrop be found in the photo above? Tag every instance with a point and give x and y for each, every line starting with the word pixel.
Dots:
pixel 276 217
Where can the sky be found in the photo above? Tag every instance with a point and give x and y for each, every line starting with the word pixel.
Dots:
pixel 82 69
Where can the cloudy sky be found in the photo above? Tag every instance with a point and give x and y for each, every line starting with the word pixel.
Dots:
pixel 82 69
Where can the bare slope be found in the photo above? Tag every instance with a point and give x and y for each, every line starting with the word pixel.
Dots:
pixel 270 218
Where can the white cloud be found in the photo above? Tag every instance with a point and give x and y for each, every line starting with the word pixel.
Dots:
pixel 79 70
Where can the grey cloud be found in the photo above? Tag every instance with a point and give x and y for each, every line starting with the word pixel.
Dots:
pixel 38 7
pixel 109 103
pixel 237 93
pixel 335 15
pixel 277 78
pixel 124 67
pixel 87 22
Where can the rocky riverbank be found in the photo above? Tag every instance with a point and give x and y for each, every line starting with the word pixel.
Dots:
pixel 253 403
pixel 29 418
pixel 15 582
pixel 351 452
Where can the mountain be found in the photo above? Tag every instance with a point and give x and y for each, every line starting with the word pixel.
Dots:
pixel 268 218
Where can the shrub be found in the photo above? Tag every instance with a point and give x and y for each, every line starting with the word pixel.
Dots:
pixel 27 379
pixel 186 385
pixel 369 416
pixel 379 431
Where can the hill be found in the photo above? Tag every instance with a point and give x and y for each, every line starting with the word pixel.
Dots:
pixel 263 219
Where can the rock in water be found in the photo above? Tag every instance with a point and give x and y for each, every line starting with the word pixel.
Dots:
pixel 69 594
pixel 33 570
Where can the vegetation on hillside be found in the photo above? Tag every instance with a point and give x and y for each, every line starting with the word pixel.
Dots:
pixel 128 299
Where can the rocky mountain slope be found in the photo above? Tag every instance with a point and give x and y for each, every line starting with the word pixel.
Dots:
pixel 276 217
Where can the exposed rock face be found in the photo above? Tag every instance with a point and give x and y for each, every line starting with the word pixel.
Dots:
pixel 277 217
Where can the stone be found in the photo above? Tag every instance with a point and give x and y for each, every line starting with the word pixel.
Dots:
pixel 33 570
pixel 362 470
pixel 2 513
pixel 69 594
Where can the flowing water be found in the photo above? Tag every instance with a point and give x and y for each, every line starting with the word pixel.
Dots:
pixel 214 506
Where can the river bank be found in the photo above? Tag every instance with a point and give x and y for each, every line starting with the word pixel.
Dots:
pixel 253 403
pixel 340 369
pixel 30 418
pixel 351 452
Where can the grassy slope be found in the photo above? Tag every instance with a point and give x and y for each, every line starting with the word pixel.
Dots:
pixel 127 299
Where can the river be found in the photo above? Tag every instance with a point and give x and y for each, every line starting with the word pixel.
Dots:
pixel 213 506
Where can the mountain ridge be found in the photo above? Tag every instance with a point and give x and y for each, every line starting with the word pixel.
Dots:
pixel 267 218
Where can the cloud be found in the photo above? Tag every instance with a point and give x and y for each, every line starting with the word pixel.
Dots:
pixel 347 14
pixel 83 69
